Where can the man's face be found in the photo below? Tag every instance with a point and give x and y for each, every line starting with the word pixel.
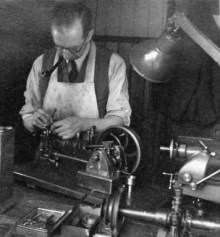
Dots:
pixel 70 41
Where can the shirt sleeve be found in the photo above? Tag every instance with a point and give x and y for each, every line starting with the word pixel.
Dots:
pixel 118 100
pixel 32 95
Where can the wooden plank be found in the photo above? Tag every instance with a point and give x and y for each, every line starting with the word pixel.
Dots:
pixel 157 20
pixel 92 5
pixel 138 18
pixel 127 17
pixel 100 24
pixel 113 9
pixel 141 18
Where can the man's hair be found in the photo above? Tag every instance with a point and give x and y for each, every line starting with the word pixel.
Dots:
pixel 64 14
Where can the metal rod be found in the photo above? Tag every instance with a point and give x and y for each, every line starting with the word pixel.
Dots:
pixel 163 148
pixel 208 177
pixel 205 224
pixel 137 214
pixel 159 217
pixel 195 34
pixel 70 157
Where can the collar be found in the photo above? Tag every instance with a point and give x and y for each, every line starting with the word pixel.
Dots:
pixel 80 60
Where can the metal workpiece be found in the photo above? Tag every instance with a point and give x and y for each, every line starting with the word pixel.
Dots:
pixel 205 224
pixel 159 217
pixel 211 224
pixel 177 199
pixel 130 184
pixel 184 151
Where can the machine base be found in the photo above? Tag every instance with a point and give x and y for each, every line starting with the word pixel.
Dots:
pixel 98 183
pixel 62 180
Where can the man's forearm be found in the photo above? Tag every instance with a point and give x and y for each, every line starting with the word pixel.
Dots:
pixel 103 123
pixel 27 123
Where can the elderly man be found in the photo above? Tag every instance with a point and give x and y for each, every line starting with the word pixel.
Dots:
pixel 88 87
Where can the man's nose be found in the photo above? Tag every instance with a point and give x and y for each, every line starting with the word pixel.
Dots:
pixel 65 51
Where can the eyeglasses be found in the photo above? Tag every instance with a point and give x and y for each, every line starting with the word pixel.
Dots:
pixel 73 50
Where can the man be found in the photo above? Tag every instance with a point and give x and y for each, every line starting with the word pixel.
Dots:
pixel 70 107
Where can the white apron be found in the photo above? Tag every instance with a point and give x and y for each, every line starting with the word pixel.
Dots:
pixel 73 99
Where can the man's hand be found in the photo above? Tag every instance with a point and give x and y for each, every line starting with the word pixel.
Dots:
pixel 39 119
pixel 68 127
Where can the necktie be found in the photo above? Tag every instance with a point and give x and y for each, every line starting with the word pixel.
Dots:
pixel 73 73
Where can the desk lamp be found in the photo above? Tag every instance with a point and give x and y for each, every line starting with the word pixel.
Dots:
pixel 154 59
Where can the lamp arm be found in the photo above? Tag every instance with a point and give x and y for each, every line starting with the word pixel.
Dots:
pixel 197 36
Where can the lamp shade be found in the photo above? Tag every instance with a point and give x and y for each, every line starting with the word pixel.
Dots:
pixel 154 59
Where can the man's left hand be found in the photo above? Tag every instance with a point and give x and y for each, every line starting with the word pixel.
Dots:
pixel 68 127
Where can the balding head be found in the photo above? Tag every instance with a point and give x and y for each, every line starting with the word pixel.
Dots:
pixel 65 14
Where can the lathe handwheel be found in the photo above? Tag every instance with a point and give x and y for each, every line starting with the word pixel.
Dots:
pixel 128 140
pixel 110 209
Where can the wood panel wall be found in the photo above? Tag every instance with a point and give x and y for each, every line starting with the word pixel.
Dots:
pixel 132 18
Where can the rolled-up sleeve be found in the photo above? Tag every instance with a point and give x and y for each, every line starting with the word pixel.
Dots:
pixel 118 100
pixel 32 95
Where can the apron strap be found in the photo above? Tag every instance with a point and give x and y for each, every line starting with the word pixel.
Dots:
pixel 101 79
pixel 47 64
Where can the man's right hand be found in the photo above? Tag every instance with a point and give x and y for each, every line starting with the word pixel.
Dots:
pixel 38 120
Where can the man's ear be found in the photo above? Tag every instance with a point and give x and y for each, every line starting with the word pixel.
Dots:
pixel 90 34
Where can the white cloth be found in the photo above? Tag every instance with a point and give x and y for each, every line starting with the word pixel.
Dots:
pixel 79 99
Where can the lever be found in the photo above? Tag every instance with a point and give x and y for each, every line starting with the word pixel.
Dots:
pixel 171 179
